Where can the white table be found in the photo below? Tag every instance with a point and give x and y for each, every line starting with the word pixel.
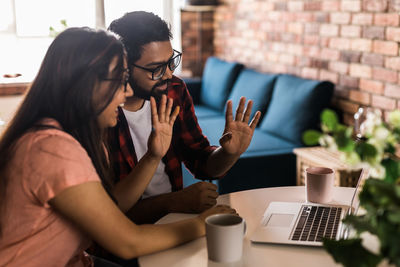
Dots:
pixel 251 205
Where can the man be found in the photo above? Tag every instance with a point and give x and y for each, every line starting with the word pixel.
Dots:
pixel 152 61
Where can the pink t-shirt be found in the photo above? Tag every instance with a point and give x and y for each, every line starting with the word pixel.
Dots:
pixel 45 163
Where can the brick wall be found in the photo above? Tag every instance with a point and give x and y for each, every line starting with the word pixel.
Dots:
pixel 353 43
pixel 197 38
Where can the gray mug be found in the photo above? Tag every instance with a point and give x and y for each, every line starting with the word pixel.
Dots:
pixel 224 234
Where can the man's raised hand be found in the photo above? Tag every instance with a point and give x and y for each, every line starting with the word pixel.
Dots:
pixel 162 120
pixel 238 131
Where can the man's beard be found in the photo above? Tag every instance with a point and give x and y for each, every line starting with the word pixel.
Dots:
pixel 142 93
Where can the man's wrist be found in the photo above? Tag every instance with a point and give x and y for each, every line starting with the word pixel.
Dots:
pixel 231 156
pixel 152 158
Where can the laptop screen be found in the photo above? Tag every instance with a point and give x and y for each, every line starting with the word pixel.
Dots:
pixel 355 201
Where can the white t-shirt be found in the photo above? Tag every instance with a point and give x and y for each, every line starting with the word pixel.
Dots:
pixel 139 123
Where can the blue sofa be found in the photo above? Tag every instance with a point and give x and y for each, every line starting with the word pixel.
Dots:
pixel 289 106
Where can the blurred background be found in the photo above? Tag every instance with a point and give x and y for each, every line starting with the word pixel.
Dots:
pixel 25 34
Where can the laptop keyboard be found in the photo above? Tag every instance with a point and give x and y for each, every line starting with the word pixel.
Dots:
pixel 316 223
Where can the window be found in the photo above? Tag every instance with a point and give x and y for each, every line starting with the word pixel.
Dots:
pixel 49 13
pixel 24 26
pixel 113 11
pixel 6 16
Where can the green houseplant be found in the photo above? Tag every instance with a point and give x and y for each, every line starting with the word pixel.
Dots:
pixel 378 150
pixel 54 31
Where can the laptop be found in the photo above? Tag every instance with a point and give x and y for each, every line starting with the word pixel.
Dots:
pixel 306 223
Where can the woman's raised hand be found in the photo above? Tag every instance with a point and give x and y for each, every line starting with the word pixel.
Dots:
pixel 162 120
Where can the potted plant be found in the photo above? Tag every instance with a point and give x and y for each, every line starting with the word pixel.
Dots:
pixel 376 148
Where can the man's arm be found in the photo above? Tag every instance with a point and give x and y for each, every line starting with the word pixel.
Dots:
pixel 219 162
pixel 199 157
pixel 192 199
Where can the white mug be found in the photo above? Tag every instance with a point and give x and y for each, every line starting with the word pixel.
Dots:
pixel 224 234
pixel 319 184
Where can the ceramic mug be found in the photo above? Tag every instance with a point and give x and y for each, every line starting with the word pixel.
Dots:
pixel 224 234
pixel 319 184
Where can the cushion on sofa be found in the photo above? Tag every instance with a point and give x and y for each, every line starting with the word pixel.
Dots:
pixel 255 86
pixel 217 81
pixel 262 141
pixel 265 143
pixel 213 128
pixel 295 106
pixel 206 112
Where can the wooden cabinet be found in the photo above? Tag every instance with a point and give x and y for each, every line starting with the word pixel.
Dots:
pixel 322 157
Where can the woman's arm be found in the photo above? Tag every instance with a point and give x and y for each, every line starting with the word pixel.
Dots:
pixel 90 208
pixel 129 190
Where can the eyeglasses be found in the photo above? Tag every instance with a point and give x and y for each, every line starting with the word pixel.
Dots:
pixel 124 81
pixel 159 71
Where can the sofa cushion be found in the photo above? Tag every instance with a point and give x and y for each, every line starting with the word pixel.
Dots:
pixel 217 81
pixel 262 143
pixel 212 128
pixel 255 86
pixel 206 112
pixel 295 106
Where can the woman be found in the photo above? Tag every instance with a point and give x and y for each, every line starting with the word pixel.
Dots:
pixel 54 173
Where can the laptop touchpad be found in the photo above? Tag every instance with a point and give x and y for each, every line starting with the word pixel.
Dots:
pixel 280 220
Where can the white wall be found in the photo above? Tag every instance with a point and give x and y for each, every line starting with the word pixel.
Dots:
pixel 8 105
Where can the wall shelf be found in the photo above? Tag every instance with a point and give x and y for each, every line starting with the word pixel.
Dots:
pixel 198 8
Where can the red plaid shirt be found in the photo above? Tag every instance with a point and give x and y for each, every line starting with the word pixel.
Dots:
pixel 188 144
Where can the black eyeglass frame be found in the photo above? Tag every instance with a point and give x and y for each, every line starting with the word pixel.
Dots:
pixel 126 80
pixel 163 66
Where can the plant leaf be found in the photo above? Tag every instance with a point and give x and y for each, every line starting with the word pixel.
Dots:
pixel 397 191
pixel 311 137
pixel 378 195
pixel 348 132
pixel 351 253
pixel 361 223
pixel 389 235
pixel 330 119
pixel 344 143
pixel 365 150
pixel 392 169
pixel 394 217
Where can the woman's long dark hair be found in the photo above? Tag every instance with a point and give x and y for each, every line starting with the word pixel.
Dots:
pixel 69 77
